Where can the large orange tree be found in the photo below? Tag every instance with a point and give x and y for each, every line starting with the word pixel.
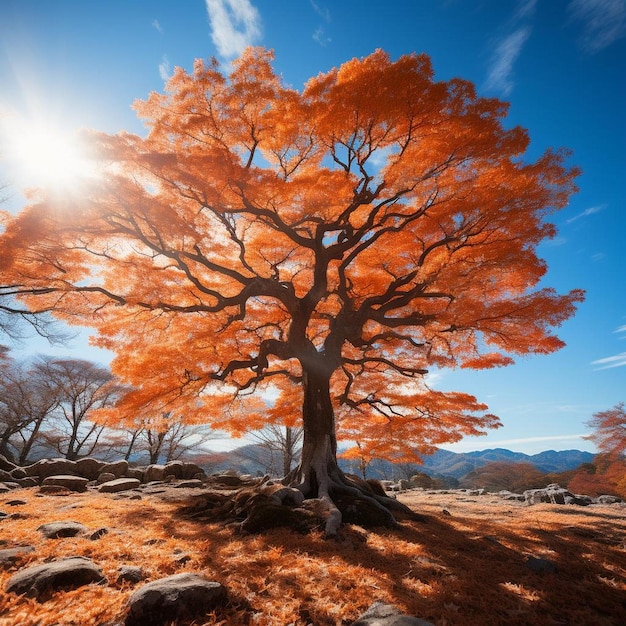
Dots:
pixel 327 247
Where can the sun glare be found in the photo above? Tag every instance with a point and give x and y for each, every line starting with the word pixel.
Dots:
pixel 42 154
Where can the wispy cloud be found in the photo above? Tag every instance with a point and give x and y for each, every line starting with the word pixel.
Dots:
pixel 165 69
pixel 157 26
pixel 235 24
pixel 620 329
pixel 619 360
pixel 586 213
pixel 321 37
pixel 505 54
pixel 526 8
pixel 604 22
pixel 322 11
pixel 519 442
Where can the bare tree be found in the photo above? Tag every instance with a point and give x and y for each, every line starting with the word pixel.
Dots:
pixel 27 400
pixel 82 387
pixel 283 445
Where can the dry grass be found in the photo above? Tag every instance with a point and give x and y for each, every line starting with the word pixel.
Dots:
pixel 463 568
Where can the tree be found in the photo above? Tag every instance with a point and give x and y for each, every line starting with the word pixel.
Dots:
pixel 282 444
pixel 81 388
pixel 336 243
pixel 609 430
pixel 27 401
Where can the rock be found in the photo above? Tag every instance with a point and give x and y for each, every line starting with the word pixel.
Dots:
pixel 5 475
pixel 540 565
pixel 119 484
pixel 135 472
pixel 5 464
pixel 96 534
pixel 11 556
pixel 552 494
pixel 26 482
pixel 73 483
pixel 288 496
pixel 192 470
pixel 18 473
pixel 89 468
pixel 62 574
pixel 52 467
pixel 181 596
pixel 381 614
pixel 192 483
pixel 15 502
pixel 56 530
pixel 605 499
pixel 154 472
pixel 174 468
pixel 130 573
pixel 117 468
pixel 105 477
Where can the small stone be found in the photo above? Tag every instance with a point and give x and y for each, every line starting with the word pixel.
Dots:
pixel 381 614
pixel 10 556
pixel 540 565
pixel 130 573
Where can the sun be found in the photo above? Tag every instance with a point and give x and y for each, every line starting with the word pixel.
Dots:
pixel 44 154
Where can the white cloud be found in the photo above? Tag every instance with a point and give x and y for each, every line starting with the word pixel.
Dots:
pixel 619 360
pixel 157 26
pixel 320 36
pixel 526 8
pixel 604 22
pixel 586 213
pixel 235 25
pixel 323 12
pixel 519 442
pixel 165 69
pixel 620 329
pixel 506 53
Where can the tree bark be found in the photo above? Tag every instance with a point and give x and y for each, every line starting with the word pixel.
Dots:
pixel 319 475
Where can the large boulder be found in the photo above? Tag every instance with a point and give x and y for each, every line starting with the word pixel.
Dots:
pixel 154 472
pixel 119 484
pixel 52 467
pixel 73 483
pixel 62 574
pixel 553 494
pixel 118 468
pixel 177 597
pixel 89 468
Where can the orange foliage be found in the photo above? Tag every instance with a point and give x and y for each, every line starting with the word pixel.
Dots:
pixel 609 430
pixel 463 569
pixel 374 226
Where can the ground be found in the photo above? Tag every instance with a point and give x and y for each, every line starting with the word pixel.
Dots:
pixel 466 562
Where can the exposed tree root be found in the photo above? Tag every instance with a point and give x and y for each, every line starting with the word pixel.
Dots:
pixel 262 505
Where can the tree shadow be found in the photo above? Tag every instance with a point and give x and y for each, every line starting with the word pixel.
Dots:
pixel 449 570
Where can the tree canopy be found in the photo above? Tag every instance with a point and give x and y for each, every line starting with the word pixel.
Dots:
pixel 328 246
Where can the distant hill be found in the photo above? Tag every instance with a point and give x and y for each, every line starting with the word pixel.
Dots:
pixel 446 463
pixel 253 459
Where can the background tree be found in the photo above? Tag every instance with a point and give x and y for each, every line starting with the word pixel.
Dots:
pixel 81 388
pixel 28 400
pixel 500 475
pixel 282 446
pixel 336 243
pixel 609 430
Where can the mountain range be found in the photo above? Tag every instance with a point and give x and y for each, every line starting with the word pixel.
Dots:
pixel 256 459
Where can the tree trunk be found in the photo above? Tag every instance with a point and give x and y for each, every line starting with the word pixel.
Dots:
pixel 319 475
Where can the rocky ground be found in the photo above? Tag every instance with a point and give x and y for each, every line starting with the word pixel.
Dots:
pixel 470 559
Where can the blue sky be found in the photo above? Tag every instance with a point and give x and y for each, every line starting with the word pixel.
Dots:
pixel 560 63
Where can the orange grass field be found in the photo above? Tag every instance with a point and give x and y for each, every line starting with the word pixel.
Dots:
pixel 465 564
